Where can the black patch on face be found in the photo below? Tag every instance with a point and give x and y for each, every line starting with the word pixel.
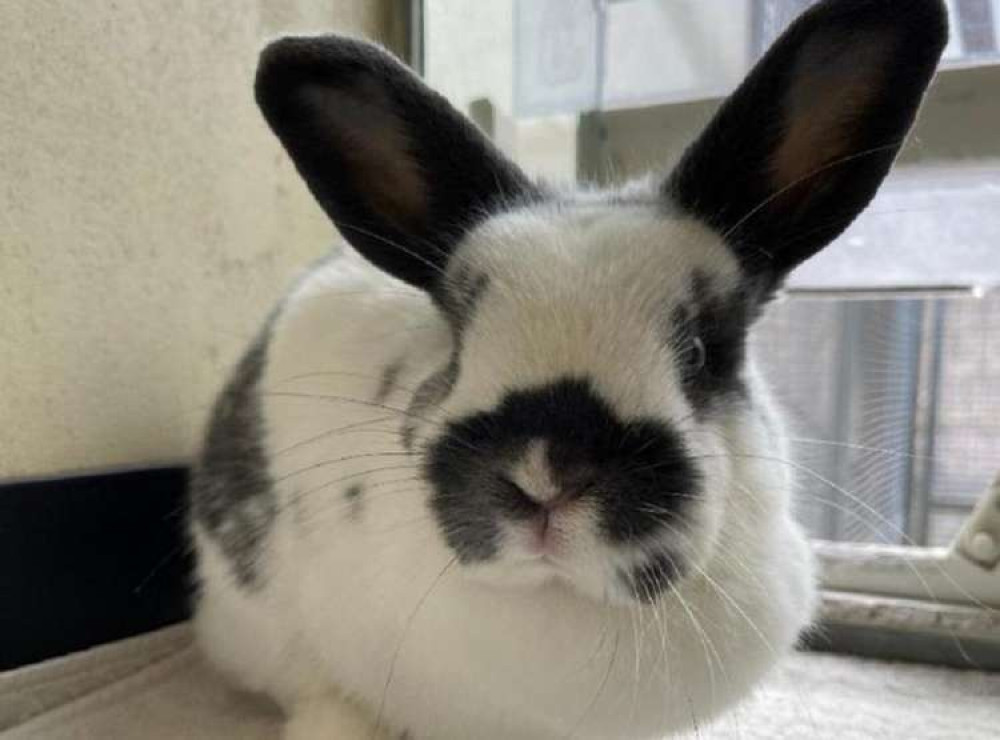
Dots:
pixel 457 302
pixel 713 372
pixel 231 495
pixel 638 473
pixel 648 580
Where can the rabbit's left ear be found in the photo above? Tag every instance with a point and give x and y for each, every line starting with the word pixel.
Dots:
pixel 399 171
pixel 803 144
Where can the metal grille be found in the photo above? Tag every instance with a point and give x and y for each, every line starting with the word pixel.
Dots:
pixel 895 411
pixel 967 438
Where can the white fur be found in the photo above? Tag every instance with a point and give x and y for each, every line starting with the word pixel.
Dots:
pixel 368 608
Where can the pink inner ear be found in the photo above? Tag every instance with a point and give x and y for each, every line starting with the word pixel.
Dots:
pixel 365 132
pixel 834 83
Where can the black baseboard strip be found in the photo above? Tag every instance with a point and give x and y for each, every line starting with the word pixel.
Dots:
pixel 89 560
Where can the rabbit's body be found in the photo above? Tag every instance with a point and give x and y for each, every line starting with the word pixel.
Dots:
pixel 453 657
pixel 513 474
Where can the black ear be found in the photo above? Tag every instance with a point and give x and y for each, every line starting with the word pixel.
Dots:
pixel 402 174
pixel 800 148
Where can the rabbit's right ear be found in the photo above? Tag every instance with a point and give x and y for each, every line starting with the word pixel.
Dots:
pixel 400 172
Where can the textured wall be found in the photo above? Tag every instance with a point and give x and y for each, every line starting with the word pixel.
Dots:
pixel 148 219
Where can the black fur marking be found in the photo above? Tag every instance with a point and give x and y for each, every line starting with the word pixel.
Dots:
pixel 231 489
pixel 387 383
pixel 352 494
pixel 650 579
pixel 800 148
pixel 432 392
pixel 720 320
pixel 400 172
pixel 458 303
pixel 462 293
pixel 638 474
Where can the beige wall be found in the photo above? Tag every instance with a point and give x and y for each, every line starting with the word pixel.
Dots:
pixel 148 219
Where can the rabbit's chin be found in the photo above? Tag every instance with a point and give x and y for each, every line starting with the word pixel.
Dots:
pixel 534 573
pixel 539 575
pixel 595 581
pixel 540 579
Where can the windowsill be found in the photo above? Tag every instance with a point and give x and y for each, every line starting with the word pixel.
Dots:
pixel 931 575
pixel 894 628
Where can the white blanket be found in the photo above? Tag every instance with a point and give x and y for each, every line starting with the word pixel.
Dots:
pixel 157 687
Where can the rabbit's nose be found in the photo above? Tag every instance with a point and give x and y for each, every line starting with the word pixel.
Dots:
pixel 563 498
pixel 530 503
pixel 547 522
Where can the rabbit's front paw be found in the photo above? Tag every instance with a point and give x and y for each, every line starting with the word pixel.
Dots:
pixel 331 718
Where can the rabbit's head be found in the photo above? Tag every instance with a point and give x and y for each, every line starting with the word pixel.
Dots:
pixel 587 421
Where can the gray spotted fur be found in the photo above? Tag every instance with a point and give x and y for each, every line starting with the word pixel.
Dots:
pixel 232 494
pixel 353 496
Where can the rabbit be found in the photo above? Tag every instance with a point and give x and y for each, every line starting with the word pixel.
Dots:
pixel 502 466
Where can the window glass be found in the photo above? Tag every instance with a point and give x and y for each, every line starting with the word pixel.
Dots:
pixel 894 411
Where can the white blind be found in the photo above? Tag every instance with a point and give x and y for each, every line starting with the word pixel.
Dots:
pixel 928 227
pixel 578 55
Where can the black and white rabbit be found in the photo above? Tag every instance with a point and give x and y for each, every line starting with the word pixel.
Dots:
pixel 507 470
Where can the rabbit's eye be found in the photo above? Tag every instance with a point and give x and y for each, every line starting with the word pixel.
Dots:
pixel 698 354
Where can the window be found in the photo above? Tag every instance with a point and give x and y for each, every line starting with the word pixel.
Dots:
pixel 885 348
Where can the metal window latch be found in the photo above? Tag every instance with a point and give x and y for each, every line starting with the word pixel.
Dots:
pixel 979 540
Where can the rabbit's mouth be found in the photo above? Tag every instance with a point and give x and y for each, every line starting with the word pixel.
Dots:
pixel 611 577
